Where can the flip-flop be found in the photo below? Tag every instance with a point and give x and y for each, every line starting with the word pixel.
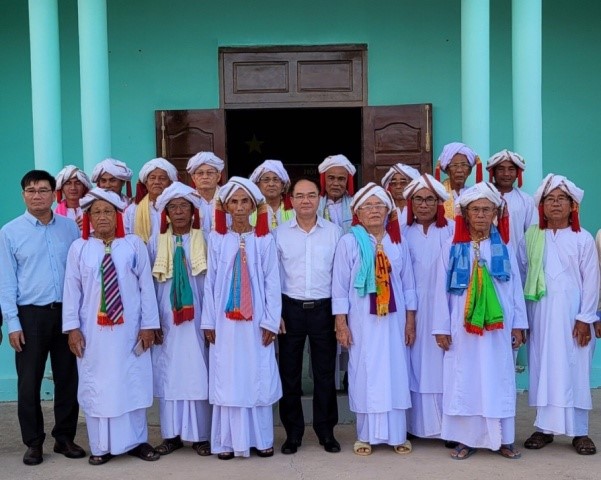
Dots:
pixel 469 451
pixel 362 448
pixel 509 451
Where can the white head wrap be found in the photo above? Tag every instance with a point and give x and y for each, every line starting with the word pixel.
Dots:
pixel 426 181
pixel 274 166
pixel 68 172
pixel 116 168
pixel 480 190
pixel 235 183
pixel 369 190
pixel 155 163
pixel 101 194
pixel 506 155
pixel 551 182
pixel 177 190
pixel 401 168
pixel 337 161
pixel 452 149
pixel 202 158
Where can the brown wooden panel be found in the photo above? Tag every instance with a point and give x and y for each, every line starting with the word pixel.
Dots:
pixel 277 77
pixel 393 134
pixel 180 134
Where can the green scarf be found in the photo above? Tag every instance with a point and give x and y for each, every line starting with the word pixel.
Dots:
pixel 535 287
pixel 182 300
pixel 483 310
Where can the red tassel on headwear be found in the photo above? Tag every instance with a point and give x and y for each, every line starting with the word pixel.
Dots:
pixel 287 201
pixel 59 196
pixel 490 175
pixel 119 228
pixel 437 171
pixel 519 178
pixel 478 169
pixel 441 219
pixel 85 226
pixel 575 218
pixel 322 184
pixel 462 234
pixel 220 223
pixel 164 222
pixel 350 185
pixel 542 221
pixel 503 224
pixel 128 189
pixel 141 192
pixel 355 220
pixel 410 216
pixel 196 219
pixel 393 228
pixel 262 226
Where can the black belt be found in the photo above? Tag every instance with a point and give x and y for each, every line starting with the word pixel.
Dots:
pixel 307 304
pixel 50 306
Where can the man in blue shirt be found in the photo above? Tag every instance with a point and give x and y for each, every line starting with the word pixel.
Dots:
pixel 33 255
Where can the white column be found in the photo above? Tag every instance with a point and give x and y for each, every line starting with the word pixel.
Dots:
pixel 94 79
pixel 527 88
pixel 45 85
pixel 475 76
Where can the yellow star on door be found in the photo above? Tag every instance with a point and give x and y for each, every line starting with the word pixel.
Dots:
pixel 254 145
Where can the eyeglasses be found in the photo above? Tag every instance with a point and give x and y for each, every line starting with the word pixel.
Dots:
pixel 459 166
pixel 486 211
pixel 369 208
pixel 430 201
pixel 102 213
pixel 307 196
pixel 42 191
pixel 266 180
pixel 174 207
pixel 559 199
pixel 205 173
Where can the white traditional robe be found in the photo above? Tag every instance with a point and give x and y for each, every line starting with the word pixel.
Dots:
pixel 479 392
pixel 244 381
pixel 522 214
pixel 378 359
pixel 207 213
pixel 129 219
pixel 180 364
pixel 114 383
pixel 559 368
pixel 425 416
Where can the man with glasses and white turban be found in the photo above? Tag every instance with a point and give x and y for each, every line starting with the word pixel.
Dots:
pixel 562 292
pixel 71 185
pixel 206 171
pixel 112 174
pixel 179 260
pixel 142 217
pixel 457 161
pixel 426 232
pixel 374 301
pixel 479 316
pixel 395 181
pixel 273 181
pixel 110 314
pixel 241 318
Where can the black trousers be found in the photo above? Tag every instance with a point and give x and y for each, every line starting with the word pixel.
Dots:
pixel 316 321
pixel 42 328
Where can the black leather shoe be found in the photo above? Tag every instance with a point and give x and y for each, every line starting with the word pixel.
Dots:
pixel 69 449
pixel 330 444
pixel 33 456
pixel 290 446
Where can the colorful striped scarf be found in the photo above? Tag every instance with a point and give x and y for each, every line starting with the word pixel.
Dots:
pixel 239 304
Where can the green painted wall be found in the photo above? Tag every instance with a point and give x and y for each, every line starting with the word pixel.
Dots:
pixel 163 55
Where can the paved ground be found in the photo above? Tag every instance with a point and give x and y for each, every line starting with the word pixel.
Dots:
pixel 429 459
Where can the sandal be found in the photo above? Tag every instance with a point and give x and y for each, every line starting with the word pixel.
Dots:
pixel 456 454
pixel 584 445
pixel 100 459
pixel 145 452
pixel 268 452
pixel 538 440
pixel 404 448
pixel 362 448
pixel 225 455
pixel 509 451
pixel 169 445
pixel 202 448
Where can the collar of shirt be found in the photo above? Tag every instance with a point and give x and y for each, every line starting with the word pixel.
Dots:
pixel 34 221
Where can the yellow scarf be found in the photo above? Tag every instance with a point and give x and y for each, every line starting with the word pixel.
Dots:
pixel 142 223
pixel 449 205
pixel 383 269
pixel 163 265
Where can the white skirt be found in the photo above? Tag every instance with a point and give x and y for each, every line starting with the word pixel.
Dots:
pixel 190 419
pixel 569 421
pixel 479 432
pixel 424 418
pixel 117 435
pixel 388 427
pixel 237 429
